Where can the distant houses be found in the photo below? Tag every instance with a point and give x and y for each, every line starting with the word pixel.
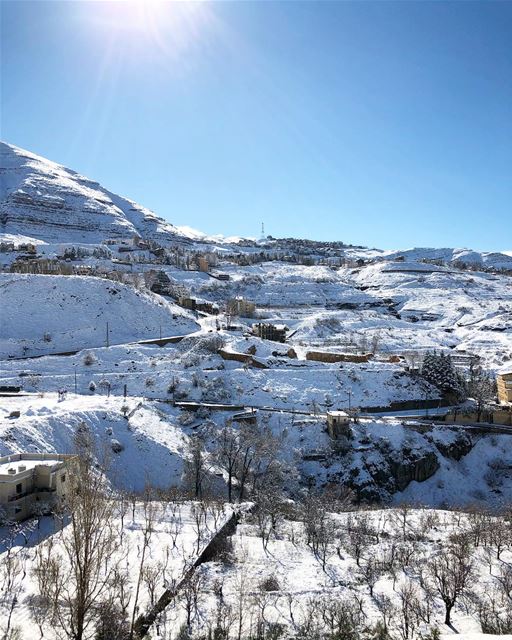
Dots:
pixel 45 266
pixel 240 306
pixel 158 282
pixel 219 276
pixel 202 306
pixel 203 264
pixel 327 356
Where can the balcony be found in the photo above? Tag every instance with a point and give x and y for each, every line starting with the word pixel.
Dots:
pixel 24 494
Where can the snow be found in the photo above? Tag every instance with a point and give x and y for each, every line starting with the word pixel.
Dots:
pixel 53 203
pixel 174 544
pixel 25 465
pixel 395 304
pixel 297 570
pixel 153 442
pixel 64 313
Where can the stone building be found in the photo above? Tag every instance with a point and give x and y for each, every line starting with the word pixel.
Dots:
pixel 504 383
pixel 240 306
pixel 338 424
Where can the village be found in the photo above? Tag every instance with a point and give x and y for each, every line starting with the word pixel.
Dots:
pixel 218 404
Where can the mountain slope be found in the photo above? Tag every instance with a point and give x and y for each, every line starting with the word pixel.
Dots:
pixel 51 314
pixel 44 200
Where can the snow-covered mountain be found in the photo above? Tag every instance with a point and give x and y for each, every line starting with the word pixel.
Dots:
pixel 378 309
pixel 43 201
pixel 46 201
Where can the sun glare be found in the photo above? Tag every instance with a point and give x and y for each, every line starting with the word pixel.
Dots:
pixel 169 25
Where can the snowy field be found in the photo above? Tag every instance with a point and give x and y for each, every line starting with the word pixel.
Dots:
pixel 297 568
pixel 365 567
pixel 156 543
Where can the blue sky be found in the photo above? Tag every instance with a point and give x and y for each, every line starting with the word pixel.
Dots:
pixel 384 124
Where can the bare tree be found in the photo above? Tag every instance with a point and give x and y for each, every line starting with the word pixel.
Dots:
pixel 451 572
pixel 408 619
pixel 227 453
pixel 79 571
pixel 196 468
pixel 149 513
pixel 482 388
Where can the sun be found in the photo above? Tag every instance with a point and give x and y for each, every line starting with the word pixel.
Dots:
pixel 165 26
pixel 133 15
pixel 148 16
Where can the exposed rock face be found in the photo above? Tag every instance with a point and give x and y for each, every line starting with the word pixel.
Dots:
pixel 413 466
pixel 42 199
pixel 456 449
pixel 377 468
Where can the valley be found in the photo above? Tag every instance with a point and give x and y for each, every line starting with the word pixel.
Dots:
pixel 204 372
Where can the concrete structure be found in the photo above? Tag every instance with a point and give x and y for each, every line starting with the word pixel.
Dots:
pixel 207 307
pixel 269 331
pixel 158 282
pixel 33 482
pixel 338 424
pixel 504 382
pixel 187 303
pixel 241 307
pixel 327 356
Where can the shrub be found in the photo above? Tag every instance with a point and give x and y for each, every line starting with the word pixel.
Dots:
pixel 89 359
pixel 270 583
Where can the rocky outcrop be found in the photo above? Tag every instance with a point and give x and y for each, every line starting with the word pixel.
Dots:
pixel 413 465
pixel 460 446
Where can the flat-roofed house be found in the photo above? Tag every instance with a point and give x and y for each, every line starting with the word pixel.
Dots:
pixel 504 384
pixel 338 424
pixel 32 482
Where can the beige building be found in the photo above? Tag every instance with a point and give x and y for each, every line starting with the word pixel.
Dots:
pixel 242 307
pixel 203 264
pixel 338 424
pixel 504 383
pixel 31 483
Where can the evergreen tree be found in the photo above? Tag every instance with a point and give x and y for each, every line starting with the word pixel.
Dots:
pixel 438 370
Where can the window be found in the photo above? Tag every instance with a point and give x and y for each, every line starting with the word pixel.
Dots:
pixel 19 488
pixel 63 477
pixel 17 510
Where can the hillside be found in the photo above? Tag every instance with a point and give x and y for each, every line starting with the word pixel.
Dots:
pixel 367 316
pixel 43 314
pixel 44 200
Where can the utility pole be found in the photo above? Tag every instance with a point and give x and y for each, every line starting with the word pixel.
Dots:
pixel 160 331
pixel 75 384
pixel 108 341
